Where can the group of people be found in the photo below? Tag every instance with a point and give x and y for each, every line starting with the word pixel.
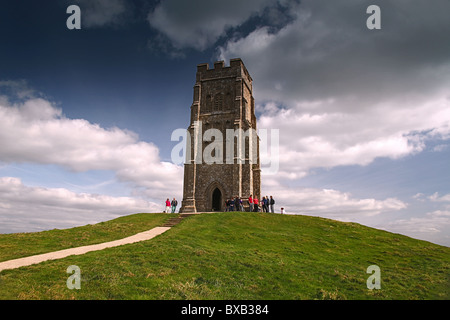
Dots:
pixel 236 204
pixel 255 205
pixel 171 206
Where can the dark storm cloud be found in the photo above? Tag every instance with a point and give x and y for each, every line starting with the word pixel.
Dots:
pixel 199 24
pixel 328 52
pixel 346 93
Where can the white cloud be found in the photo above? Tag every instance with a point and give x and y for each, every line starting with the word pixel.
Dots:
pixel 24 208
pixel 432 227
pixel 416 226
pixel 420 223
pixel 439 213
pixel 419 197
pixel 436 198
pixel 17 88
pixel 34 131
pixel 440 148
pixel 328 140
pixel 329 203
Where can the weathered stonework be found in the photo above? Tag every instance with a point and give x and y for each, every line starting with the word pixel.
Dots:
pixel 223 99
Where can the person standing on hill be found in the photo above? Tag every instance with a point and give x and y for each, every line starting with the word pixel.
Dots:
pixel 167 206
pixel 255 205
pixel 263 204
pixel 250 202
pixel 174 204
pixel 271 202
pixel 237 204
pixel 231 204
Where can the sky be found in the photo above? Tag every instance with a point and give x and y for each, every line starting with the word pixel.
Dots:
pixel 86 115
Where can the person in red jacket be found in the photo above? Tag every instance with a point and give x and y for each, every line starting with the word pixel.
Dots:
pixel 255 205
pixel 250 202
pixel 168 205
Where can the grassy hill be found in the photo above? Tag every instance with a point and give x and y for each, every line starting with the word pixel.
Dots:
pixel 229 256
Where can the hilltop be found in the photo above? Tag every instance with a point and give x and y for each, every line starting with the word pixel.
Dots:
pixel 229 256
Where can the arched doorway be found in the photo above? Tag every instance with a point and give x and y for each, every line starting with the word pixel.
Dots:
pixel 217 200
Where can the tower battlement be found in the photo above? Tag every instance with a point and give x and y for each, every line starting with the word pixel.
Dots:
pixel 236 68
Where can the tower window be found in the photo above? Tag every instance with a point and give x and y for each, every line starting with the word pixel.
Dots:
pixel 218 102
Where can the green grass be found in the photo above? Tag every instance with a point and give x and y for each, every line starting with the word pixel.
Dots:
pixel 237 256
pixel 19 245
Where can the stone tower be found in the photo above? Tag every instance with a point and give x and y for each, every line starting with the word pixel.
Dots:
pixel 223 161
